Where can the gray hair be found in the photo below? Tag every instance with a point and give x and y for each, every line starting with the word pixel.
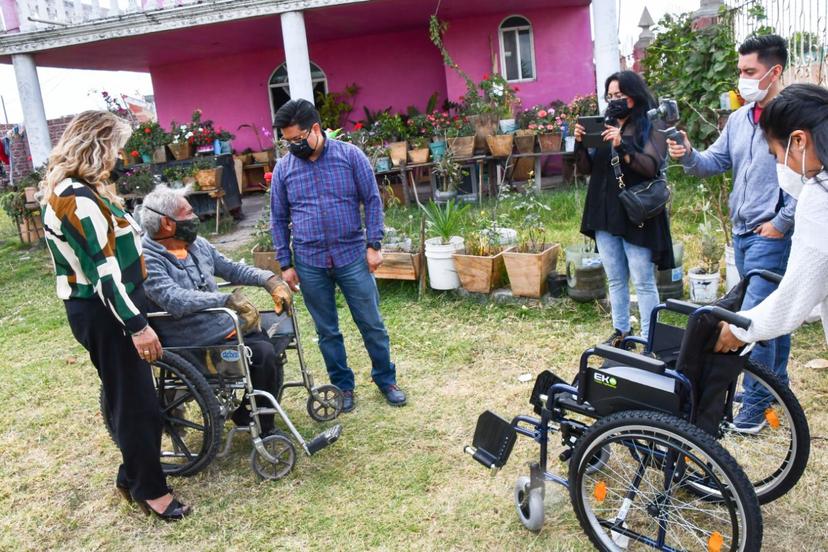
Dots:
pixel 164 200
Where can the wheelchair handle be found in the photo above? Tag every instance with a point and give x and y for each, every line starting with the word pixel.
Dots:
pixel 681 307
pixel 727 316
pixel 772 277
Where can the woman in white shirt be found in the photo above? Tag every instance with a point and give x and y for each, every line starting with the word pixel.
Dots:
pixel 796 124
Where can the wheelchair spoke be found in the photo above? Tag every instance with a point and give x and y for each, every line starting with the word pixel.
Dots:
pixel 179 442
pixel 185 423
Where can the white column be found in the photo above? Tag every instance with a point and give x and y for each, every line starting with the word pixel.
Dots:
pixel 296 55
pixel 34 115
pixel 607 55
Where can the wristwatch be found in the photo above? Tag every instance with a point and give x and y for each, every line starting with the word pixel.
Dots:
pixel 375 245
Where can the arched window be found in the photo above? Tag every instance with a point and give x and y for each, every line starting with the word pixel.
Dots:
pixel 517 49
pixel 280 90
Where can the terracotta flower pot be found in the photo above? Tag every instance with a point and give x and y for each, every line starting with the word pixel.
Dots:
pixel 550 142
pixel 500 145
pixel 480 274
pixel 462 146
pixel 397 152
pixel 181 150
pixel 418 155
pixel 528 271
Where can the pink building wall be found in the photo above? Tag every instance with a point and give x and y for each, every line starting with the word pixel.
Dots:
pixel 563 53
pixel 395 70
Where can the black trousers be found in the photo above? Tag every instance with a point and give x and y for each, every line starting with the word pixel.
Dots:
pixel 266 374
pixel 129 391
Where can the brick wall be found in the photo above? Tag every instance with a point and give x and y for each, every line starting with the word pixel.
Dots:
pixel 20 148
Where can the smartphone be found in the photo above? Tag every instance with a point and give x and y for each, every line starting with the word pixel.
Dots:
pixel 593 127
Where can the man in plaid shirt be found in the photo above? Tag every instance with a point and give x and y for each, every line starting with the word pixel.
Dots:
pixel 315 199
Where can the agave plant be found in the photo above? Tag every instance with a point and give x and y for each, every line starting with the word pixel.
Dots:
pixel 446 221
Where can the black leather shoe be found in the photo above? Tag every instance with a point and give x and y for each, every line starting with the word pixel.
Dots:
pixel 348 401
pixel 394 395
pixel 174 512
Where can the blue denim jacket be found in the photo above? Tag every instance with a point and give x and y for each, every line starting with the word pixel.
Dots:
pixel 756 197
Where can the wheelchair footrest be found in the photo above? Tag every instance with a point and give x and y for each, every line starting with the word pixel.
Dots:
pixel 327 437
pixel 493 440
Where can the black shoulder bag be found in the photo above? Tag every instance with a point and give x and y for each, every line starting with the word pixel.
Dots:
pixel 642 201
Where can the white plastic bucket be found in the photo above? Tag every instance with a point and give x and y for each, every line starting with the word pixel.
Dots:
pixel 569 143
pixel 731 273
pixel 440 261
pixel 704 288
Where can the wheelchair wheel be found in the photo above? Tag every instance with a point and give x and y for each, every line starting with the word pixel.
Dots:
pixel 640 496
pixel 774 455
pixel 529 504
pixel 190 415
pixel 325 402
pixel 281 461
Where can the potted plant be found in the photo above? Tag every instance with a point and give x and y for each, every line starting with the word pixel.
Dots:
pixel 586 280
pixel 439 122
pixel 378 156
pixel 481 268
pixel 502 96
pixel 392 130
pixel 225 139
pixel 704 280
pixel 26 215
pixel 207 174
pixel 444 223
pixel 400 259
pixel 546 124
pixel 530 263
pixel 501 145
pixel 264 254
pixel 146 139
pixel 204 135
pixel 136 181
pixel 418 139
pixel 449 175
pixel 460 137
pixel 181 141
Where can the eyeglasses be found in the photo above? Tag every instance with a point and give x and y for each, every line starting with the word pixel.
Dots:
pixel 616 96
pixel 296 141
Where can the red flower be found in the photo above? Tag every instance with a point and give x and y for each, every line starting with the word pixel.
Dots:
pixel 485 76
pixel 134 153
pixel 147 130
pixel 268 176
pixel 358 126
pixel 516 88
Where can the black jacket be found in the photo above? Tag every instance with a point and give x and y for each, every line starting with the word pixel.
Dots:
pixel 604 211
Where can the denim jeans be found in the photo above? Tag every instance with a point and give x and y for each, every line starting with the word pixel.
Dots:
pixel 622 260
pixel 360 290
pixel 752 252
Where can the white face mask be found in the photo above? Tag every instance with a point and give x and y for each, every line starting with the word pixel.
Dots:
pixel 789 180
pixel 749 88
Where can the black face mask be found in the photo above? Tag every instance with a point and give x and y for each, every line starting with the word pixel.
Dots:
pixel 117 171
pixel 302 150
pixel 185 230
pixel 617 109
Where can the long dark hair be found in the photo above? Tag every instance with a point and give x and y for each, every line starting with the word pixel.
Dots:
pixel 633 86
pixel 799 107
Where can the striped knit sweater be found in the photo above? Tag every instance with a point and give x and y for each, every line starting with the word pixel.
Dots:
pixel 96 250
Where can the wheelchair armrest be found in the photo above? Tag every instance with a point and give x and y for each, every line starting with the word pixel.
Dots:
pixel 219 310
pixel 682 307
pixel 772 277
pixel 628 358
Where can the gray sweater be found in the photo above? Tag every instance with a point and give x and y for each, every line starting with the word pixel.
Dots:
pixel 756 197
pixel 182 287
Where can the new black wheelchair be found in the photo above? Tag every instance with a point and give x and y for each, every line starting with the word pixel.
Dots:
pixel 642 474
pixel 199 387
pixel 763 427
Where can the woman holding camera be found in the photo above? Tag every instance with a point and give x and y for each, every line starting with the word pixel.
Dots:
pixel 627 250
pixel 796 126
pixel 96 251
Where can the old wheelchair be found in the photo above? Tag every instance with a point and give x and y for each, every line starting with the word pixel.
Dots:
pixel 642 474
pixel 199 387
pixel 773 450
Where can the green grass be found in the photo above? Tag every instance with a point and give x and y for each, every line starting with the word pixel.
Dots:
pixel 396 480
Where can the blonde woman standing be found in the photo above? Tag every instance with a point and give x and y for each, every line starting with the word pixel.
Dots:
pixel 96 249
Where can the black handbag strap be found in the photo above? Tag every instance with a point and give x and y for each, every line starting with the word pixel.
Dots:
pixel 615 161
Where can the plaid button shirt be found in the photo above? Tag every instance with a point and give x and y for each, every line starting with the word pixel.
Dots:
pixel 317 203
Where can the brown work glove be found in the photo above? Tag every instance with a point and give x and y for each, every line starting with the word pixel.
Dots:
pixel 248 314
pixel 280 292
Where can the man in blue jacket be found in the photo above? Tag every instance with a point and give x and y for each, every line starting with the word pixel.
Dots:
pixel 181 280
pixel 317 194
pixel 761 213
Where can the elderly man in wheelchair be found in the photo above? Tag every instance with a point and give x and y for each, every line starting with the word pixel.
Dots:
pixel 221 356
